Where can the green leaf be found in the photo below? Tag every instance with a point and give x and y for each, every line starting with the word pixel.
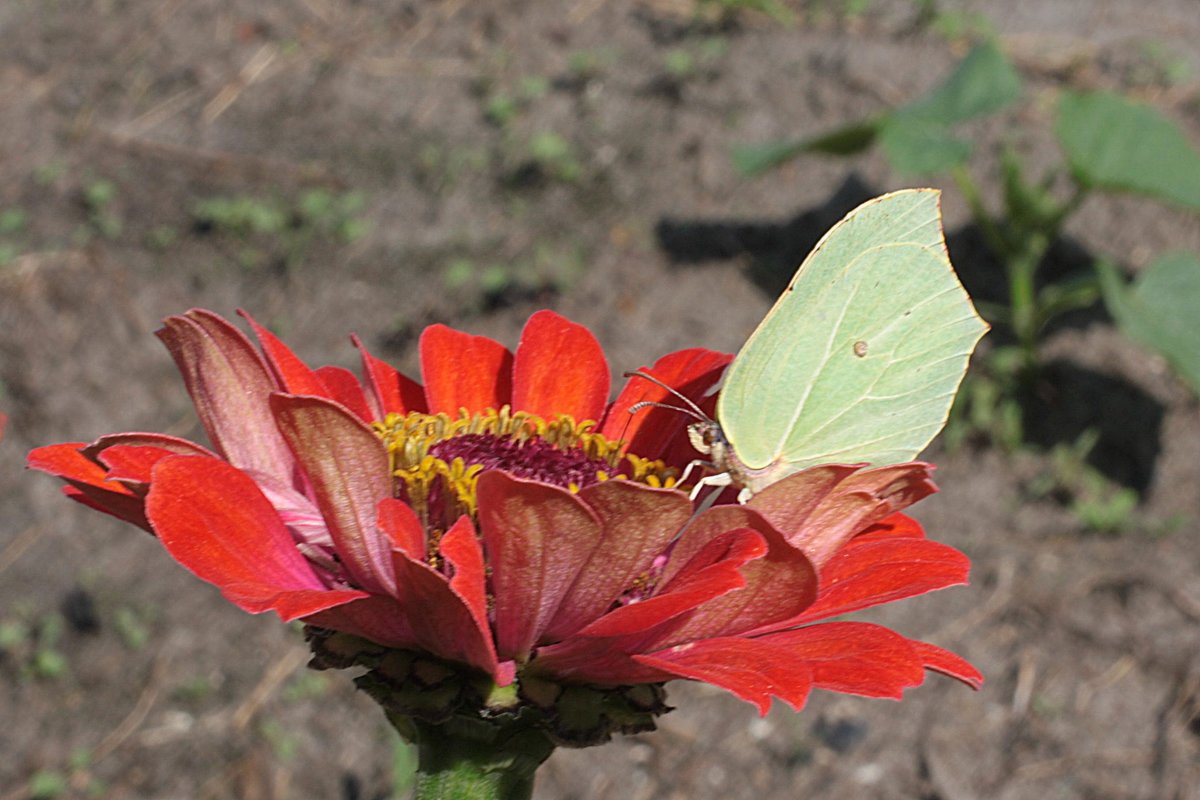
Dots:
pixel 1158 310
pixel 984 82
pixel 755 159
pixel 1116 144
pixel 919 147
pixel 917 137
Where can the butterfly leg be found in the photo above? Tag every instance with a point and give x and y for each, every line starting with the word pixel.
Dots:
pixel 721 479
pixel 698 462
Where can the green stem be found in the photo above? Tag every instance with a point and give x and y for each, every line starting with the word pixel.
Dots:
pixel 476 761
pixel 991 233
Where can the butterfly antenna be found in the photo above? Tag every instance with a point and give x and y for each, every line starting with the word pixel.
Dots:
pixel 692 409
pixel 638 406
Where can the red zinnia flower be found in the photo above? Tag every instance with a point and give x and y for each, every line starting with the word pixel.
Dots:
pixel 505 516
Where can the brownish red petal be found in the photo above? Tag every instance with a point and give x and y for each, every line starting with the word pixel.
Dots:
pixel 348 468
pixel 229 383
pixel 638 524
pixel 537 538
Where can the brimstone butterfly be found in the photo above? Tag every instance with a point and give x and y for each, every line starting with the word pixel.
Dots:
pixel 858 361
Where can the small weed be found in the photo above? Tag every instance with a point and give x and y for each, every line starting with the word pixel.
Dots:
pixel 162 237
pixel 501 110
pixel 98 197
pixel 12 221
pixel 193 690
pixel 131 627
pixel 48 173
pixel 555 156
pixel 1092 498
pixel 307 685
pixel 47 784
pixel 284 743
pixel 280 230
pixel 679 63
pixel 1160 66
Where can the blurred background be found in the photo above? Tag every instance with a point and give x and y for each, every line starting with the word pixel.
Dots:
pixel 654 170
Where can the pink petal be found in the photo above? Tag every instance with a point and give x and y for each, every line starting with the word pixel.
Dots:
pixel 464 371
pixel 215 522
pixel 229 384
pixel 345 388
pixel 559 368
pixel 172 444
pixel 291 374
pixel 788 503
pixel 348 468
pixel 854 504
pixel 391 392
pixel 638 523
pixel 537 538
pixel 651 431
pixel 751 669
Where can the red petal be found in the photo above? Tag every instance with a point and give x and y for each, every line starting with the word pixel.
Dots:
pixel 441 621
pixel 348 467
pixel 854 657
pixel 651 431
pixel 464 371
pixel 537 538
pixel 891 527
pixel 947 663
pixel 291 374
pixel 132 464
pixel 213 519
pixel 877 571
pixel 460 547
pixel 638 524
pixel 400 522
pixel 752 669
pixel 392 393
pixel 229 383
pixel 559 368
pixel 345 388
pixel 88 482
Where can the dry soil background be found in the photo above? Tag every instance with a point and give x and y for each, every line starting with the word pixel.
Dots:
pixel 508 157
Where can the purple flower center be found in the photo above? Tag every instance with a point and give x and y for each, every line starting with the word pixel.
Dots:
pixel 533 458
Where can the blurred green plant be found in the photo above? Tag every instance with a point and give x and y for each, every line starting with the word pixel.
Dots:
pixel 1094 500
pixel 284 227
pixel 98 197
pixel 549 270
